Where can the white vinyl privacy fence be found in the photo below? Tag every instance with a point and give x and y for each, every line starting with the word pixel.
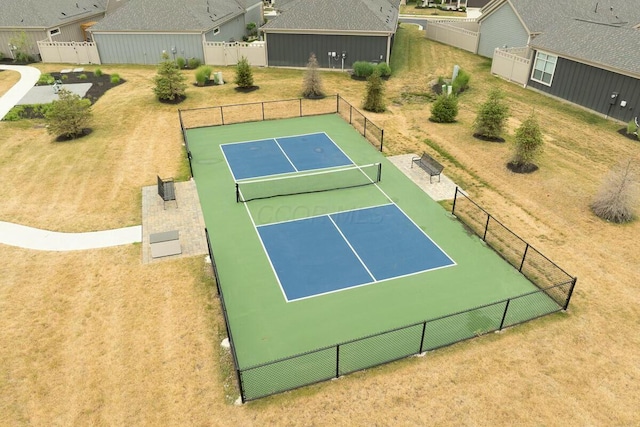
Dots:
pixel 69 52
pixel 462 34
pixel 512 64
pixel 221 53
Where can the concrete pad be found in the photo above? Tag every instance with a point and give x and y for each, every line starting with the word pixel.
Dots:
pixel 445 189
pixel 164 237
pixel 66 70
pixel 163 249
pixel 45 94
pixel 78 70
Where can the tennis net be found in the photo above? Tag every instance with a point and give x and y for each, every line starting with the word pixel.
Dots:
pixel 313 182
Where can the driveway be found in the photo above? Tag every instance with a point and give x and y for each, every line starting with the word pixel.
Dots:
pixel 28 79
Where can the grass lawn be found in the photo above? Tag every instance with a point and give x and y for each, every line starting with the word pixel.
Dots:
pixel 97 338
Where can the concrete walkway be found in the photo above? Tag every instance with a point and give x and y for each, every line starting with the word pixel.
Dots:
pixel 29 77
pixel 44 240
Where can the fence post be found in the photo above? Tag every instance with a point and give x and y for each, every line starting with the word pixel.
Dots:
pixel 300 107
pixel 381 139
pixel 455 197
pixel 262 103
pixel 504 315
pixel 337 102
pixel 573 285
pixel 222 115
pixel 240 386
pixel 338 361
pixel 364 132
pixel 524 255
pixel 486 227
pixel 424 329
pixel 350 113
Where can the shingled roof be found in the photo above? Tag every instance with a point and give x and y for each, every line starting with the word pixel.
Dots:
pixel 46 14
pixel 337 15
pixel 170 15
pixel 603 33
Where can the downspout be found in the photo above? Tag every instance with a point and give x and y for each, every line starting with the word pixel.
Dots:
pixel 388 48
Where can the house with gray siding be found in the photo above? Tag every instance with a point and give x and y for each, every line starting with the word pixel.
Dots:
pixel 584 52
pixel 339 32
pixel 51 20
pixel 139 32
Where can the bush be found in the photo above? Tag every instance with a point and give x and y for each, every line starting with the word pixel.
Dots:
pixel 461 83
pixel 632 128
pixel 46 79
pixel 97 72
pixel 181 62
pixel 362 68
pixel 374 99
pixel 1 56
pixel 194 63
pixel 617 196
pixel 69 115
pixel 169 80
pixel 203 73
pixel 82 77
pixel 528 143
pixel 115 78
pixel 244 75
pixel 384 69
pixel 492 116
pixel 312 82
pixel 444 109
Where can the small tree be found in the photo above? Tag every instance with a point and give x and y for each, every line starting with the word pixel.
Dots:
pixel 617 196
pixel 21 47
pixel 492 116
pixel 444 109
pixel 169 80
pixel 244 75
pixel 374 99
pixel 312 83
pixel 69 115
pixel 528 145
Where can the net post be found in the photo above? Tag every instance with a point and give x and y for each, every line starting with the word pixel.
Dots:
pixel 524 255
pixel 338 361
pixel 222 115
pixel 300 107
pixel 573 285
pixel 504 315
pixel 379 177
pixel 424 329
pixel 486 227
pixel 455 197
pixel 237 193
pixel 381 139
pixel 262 103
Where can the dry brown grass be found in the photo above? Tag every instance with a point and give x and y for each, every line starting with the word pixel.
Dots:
pixel 7 79
pixel 96 338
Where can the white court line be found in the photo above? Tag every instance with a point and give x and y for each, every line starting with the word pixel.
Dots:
pixel 285 154
pixel 324 214
pixel 352 249
pixel 228 165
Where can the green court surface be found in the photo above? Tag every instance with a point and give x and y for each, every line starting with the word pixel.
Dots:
pixel 265 327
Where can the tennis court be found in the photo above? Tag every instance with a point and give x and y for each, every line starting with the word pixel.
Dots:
pixel 304 270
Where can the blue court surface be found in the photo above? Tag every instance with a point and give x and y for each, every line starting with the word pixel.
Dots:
pixel 274 156
pixel 328 253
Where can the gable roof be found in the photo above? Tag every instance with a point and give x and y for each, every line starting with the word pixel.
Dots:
pixel 171 15
pixel 597 32
pixel 46 14
pixel 336 15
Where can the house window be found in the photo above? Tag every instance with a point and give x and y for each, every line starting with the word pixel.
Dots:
pixel 216 31
pixel 54 32
pixel 543 68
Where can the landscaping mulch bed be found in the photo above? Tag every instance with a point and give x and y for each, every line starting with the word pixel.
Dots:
pixel 246 89
pixel 99 84
pixel 631 136
pixel 65 138
pixel 522 168
pixel 487 138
